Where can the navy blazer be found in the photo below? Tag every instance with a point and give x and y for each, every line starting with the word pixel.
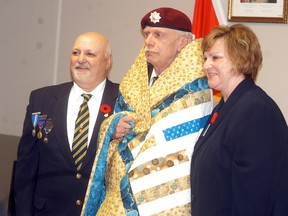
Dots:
pixel 46 179
pixel 240 163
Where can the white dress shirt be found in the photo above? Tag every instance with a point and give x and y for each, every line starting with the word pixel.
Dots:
pixel 74 102
pixel 153 74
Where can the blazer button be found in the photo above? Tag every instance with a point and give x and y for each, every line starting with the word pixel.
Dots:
pixel 78 176
pixel 78 202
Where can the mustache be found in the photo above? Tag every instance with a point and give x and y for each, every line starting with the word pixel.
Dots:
pixel 147 49
pixel 82 66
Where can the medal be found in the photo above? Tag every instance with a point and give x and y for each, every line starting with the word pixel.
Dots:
pixel 47 129
pixel 35 118
pixel 41 123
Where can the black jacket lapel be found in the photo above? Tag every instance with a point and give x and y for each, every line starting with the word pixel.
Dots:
pixel 109 97
pixel 60 122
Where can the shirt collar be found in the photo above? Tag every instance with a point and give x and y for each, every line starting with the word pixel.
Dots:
pixel 77 91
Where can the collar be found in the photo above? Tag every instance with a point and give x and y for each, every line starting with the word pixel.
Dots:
pixel 77 91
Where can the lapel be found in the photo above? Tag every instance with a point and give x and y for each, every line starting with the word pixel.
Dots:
pixel 150 69
pixel 60 122
pixel 224 109
pixel 210 125
pixel 109 97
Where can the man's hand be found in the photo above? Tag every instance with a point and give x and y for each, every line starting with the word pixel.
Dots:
pixel 123 127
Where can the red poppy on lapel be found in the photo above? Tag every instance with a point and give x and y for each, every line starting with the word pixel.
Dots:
pixel 214 117
pixel 106 109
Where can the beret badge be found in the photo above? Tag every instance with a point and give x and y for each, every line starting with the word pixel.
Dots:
pixel 155 17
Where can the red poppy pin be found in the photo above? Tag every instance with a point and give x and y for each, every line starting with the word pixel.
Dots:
pixel 106 109
pixel 214 117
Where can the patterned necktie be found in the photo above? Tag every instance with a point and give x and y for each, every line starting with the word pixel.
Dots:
pixel 80 140
pixel 154 79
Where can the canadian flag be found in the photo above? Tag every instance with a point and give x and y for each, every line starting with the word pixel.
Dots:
pixel 207 15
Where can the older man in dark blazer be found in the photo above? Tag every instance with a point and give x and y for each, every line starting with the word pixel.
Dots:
pixel 48 180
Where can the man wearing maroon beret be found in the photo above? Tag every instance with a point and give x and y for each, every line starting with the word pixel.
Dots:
pixel 163 103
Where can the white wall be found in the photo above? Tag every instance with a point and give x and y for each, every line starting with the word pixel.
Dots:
pixel 36 37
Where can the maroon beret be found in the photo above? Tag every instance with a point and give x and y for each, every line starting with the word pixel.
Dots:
pixel 167 18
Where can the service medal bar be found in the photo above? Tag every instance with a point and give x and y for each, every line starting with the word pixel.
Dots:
pixel 35 119
pixel 47 129
pixel 41 123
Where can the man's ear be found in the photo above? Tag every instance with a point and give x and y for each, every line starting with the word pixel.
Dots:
pixel 109 62
pixel 183 42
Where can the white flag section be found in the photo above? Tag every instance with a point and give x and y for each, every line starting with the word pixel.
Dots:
pixel 219 11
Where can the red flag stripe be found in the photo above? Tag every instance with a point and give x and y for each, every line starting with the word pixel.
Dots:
pixel 207 15
pixel 204 18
